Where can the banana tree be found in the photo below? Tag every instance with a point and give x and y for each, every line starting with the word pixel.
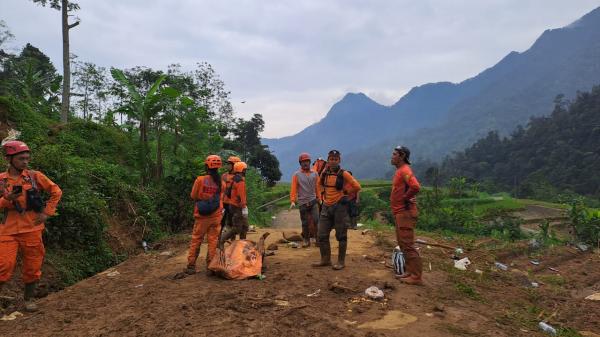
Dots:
pixel 144 107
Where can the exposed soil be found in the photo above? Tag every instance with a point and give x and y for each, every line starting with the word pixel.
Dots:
pixel 140 297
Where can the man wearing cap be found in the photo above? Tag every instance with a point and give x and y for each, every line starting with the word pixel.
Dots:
pixel 335 183
pixel 306 193
pixel 23 215
pixel 405 187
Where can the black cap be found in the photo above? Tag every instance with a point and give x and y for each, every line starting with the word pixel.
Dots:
pixel 334 153
pixel 405 150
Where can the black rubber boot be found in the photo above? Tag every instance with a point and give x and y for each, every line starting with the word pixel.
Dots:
pixel 325 249
pixel 29 297
pixel 341 256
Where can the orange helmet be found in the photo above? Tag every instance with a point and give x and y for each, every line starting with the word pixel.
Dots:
pixel 233 159
pixel 213 162
pixel 304 156
pixel 14 147
pixel 239 167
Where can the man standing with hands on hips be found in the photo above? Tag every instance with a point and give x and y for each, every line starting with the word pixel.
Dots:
pixel 405 187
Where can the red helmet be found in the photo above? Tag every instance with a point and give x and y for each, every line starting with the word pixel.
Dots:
pixel 15 147
pixel 233 159
pixel 304 156
pixel 213 162
pixel 239 167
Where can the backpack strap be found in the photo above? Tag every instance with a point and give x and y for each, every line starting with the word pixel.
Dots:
pixel 33 177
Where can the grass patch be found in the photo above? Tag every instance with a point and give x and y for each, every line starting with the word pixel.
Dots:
pixel 467 290
pixel 555 280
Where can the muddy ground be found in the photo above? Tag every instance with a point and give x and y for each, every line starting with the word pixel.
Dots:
pixel 140 297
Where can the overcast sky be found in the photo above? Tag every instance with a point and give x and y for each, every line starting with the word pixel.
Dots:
pixel 291 60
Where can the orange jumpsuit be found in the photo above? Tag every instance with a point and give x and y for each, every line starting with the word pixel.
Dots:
pixel 227 216
pixel 404 207
pixel 238 202
pixel 204 188
pixel 20 230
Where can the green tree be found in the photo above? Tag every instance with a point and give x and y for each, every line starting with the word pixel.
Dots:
pixel 90 86
pixel 143 107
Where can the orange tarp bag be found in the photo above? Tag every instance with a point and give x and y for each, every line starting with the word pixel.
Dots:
pixel 240 260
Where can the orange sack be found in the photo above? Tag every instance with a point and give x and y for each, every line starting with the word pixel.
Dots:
pixel 240 260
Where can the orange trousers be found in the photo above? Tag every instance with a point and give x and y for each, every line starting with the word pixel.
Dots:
pixel 406 221
pixel 204 226
pixel 32 248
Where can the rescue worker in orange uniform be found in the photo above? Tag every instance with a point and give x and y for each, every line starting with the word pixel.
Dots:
pixel 405 187
pixel 239 206
pixel 306 193
pixel 23 217
pixel 334 212
pixel 226 222
pixel 319 165
pixel 207 194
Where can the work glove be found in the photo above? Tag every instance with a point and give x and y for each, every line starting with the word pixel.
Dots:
pixel 245 211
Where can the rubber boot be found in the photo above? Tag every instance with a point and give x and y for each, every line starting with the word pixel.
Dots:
pixel 341 256
pixel 29 298
pixel 190 270
pixel 305 243
pixel 325 249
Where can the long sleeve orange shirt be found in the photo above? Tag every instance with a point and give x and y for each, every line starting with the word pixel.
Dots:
pixel 15 222
pixel 331 195
pixel 404 188
pixel 294 188
pixel 228 180
pixel 204 188
pixel 238 193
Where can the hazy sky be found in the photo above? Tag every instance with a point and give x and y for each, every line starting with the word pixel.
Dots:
pixel 291 60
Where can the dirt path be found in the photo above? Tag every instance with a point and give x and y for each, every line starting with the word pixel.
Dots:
pixel 140 298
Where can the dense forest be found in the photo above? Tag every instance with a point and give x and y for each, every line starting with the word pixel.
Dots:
pixel 553 156
pixel 126 159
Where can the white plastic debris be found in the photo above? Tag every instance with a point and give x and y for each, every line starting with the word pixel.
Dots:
pixel 501 266
pixel 535 284
pixel 11 317
pixel 458 251
pixel 462 263
pixel 582 247
pixel 594 297
pixel 547 328
pixel 316 293
pixel 374 293
pixel 113 273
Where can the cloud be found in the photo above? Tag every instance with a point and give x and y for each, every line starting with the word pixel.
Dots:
pixel 290 60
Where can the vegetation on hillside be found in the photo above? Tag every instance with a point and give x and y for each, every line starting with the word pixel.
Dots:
pixel 126 160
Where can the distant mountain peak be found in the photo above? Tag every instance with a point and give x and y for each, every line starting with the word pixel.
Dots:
pixel 356 97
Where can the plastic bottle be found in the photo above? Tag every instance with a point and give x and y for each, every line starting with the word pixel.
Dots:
pixel 501 266
pixel 547 328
